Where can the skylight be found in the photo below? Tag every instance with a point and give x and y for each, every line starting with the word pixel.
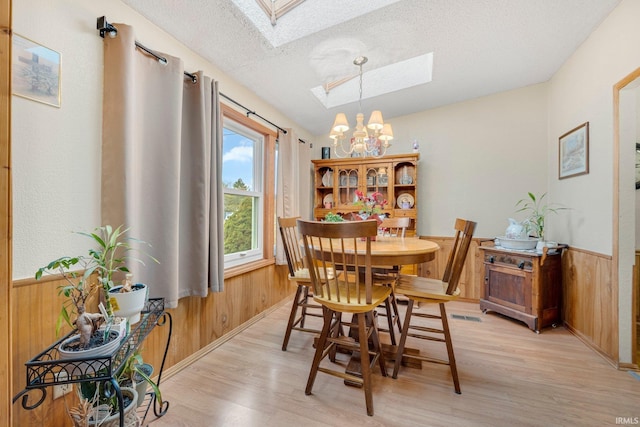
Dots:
pixel 306 17
pixel 401 75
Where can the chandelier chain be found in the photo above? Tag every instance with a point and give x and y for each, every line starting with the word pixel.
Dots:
pixel 360 97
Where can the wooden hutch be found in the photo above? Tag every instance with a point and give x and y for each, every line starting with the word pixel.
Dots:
pixel 394 176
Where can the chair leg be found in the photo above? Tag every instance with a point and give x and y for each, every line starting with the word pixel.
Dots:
pixel 292 318
pixel 322 342
pixel 335 332
pixel 403 338
pixel 365 364
pixel 305 300
pixel 447 338
pixel 375 341
pixel 396 312
pixel 390 318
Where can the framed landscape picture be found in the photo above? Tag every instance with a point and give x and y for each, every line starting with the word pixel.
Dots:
pixel 574 152
pixel 35 71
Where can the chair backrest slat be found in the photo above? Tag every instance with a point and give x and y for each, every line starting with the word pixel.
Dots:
pixel 339 259
pixel 397 226
pixel 458 255
pixel 291 242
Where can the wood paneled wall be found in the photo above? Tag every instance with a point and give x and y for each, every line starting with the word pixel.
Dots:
pixel 590 301
pixel 636 285
pixel 197 322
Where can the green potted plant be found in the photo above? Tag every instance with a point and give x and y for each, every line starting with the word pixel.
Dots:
pixel 107 257
pixel 96 407
pixel 113 249
pixel 537 211
pixel 138 373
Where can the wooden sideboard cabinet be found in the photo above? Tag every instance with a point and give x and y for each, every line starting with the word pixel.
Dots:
pixel 523 285
pixel 394 176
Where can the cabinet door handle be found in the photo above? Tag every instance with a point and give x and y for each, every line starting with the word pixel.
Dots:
pixel 521 265
pixel 491 259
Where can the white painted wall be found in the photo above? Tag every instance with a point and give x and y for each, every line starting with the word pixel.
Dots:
pixel 477 158
pixel 582 90
pixel 56 151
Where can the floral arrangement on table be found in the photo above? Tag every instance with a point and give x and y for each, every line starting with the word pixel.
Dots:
pixel 370 205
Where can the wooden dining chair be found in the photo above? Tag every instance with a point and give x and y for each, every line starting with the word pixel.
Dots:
pixel 345 247
pixel 298 273
pixel 387 276
pixel 429 291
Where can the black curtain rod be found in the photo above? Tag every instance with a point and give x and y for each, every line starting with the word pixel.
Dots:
pixel 249 111
pixel 104 27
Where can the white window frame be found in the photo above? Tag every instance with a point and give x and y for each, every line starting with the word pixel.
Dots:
pixel 256 254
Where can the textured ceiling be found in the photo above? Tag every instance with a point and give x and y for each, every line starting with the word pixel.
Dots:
pixel 479 47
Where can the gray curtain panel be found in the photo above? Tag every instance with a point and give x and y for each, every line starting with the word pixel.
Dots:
pixel 287 183
pixel 157 162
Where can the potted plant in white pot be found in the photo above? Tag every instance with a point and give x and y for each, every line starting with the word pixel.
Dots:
pixel 112 252
pixel 96 275
pixel 537 211
pixel 89 341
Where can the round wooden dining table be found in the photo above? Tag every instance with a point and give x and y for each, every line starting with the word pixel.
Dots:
pixel 391 250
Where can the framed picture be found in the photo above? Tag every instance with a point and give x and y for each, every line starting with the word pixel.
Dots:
pixel 35 71
pixel 574 152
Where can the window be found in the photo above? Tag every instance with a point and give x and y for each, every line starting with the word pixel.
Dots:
pixel 247 187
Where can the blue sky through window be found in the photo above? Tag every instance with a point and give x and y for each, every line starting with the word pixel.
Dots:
pixel 237 158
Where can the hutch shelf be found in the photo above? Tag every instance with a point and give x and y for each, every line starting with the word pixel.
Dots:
pixel 394 176
pixel 45 368
pixel 523 285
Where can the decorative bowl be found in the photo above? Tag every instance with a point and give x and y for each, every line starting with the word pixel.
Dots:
pixel 522 244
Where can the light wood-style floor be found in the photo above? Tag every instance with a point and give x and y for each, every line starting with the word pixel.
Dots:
pixel 509 376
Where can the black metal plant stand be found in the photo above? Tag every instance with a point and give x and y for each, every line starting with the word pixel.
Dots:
pixel 44 369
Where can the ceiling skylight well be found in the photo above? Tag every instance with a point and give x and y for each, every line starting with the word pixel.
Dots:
pixel 401 75
pixel 304 17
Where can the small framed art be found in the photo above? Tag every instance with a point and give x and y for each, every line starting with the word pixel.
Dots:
pixel 574 152
pixel 35 71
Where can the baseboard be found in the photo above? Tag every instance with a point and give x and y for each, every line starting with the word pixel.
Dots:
pixel 586 341
pixel 628 367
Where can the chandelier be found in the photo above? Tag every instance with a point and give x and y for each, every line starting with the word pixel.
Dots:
pixel 373 142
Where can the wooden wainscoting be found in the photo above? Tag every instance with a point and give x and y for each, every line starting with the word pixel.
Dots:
pixel 197 322
pixel 590 301
pixel 636 296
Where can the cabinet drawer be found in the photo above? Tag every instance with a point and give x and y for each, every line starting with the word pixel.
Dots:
pixel 521 262
pixel 406 213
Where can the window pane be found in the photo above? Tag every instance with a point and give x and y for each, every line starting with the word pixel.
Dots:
pixel 242 168
pixel 238 160
pixel 240 223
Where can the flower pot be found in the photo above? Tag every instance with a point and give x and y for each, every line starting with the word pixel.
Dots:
pixel 128 304
pixel 66 353
pixel 141 384
pixel 113 420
